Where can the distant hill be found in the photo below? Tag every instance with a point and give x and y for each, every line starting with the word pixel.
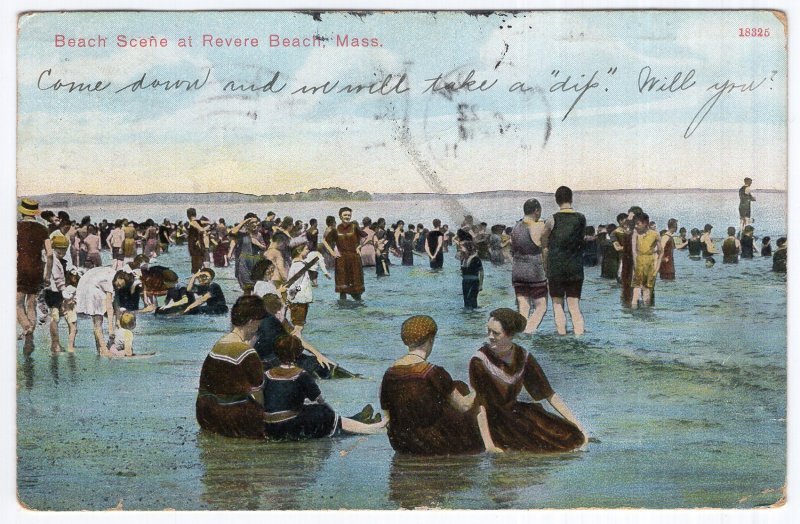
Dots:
pixel 64 200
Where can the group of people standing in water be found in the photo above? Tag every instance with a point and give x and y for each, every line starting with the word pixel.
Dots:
pixel 260 379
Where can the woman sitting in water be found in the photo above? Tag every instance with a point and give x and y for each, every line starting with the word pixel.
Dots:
pixel 287 387
pixel 229 400
pixel 498 372
pixel 208 296
pixel 429 412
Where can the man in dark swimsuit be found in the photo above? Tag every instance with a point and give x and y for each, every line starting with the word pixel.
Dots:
pixel 565 232
pixel 745 197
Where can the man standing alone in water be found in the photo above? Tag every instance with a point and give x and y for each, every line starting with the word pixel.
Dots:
pixel 564 254
pixel 745 197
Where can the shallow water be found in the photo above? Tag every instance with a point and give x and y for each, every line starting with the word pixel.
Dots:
pixel 685 402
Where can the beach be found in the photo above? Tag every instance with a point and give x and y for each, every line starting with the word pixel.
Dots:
pixel 685 403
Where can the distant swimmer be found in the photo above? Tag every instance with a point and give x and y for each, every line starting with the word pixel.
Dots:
pixel 745 197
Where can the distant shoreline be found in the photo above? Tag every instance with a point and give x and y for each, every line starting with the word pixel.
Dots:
pixel 82 199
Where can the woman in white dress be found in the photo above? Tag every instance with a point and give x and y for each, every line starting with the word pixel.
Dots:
pixel 94 296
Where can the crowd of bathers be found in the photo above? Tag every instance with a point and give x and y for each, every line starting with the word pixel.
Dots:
pixel 260 379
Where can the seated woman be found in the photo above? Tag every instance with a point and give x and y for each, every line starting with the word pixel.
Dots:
pixel 272 328
pixel 287 387
pixel 176 298
pixel 208 296
pixel 429 413
pixel 498 372
pixel 229 400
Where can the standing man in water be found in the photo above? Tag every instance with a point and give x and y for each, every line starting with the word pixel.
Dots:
pixel 33 271
pixel 745 197
pixel 194 238
pixel 434 243
pixel 564 253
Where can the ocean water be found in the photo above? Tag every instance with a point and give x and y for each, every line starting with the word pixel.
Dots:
pixel 685 402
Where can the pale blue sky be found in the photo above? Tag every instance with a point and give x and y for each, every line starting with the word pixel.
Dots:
pixel 210 140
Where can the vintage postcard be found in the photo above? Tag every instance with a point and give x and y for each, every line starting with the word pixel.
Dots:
pixel 374 260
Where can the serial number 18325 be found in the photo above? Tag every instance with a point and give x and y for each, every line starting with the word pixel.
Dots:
pixel 753 31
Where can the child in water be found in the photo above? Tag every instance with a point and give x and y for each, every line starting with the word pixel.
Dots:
pixel 68 307
pixel 294 408
pixel 121 344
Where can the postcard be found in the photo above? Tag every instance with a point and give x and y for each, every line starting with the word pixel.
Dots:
pixel 380 260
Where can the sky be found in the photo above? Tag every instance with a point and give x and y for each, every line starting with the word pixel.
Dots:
pixel 212 139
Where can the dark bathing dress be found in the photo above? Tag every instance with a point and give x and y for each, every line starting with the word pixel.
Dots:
pixel 730 253
pixel 470 281
pixel 231 373
pixel 408 248
pixel 565 257
pixel 215 305
pixel 695 249
pixel 667 269
pixel 349 273
pixel 433 242
pixel 287 415
pixel 748 246
pixel 519 425
pixel 609 268
pixel 626 260
pixel 744 202
pixel 421 419
pixel 31 237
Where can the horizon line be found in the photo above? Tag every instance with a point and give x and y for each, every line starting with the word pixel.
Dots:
pixel 65 194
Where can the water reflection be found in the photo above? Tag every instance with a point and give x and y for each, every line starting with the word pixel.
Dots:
pixel 432 482
pixel 243 474
pixel 28 371
pixel 72 368
pixel 54 367
pixel 28 368
pixel 512 475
